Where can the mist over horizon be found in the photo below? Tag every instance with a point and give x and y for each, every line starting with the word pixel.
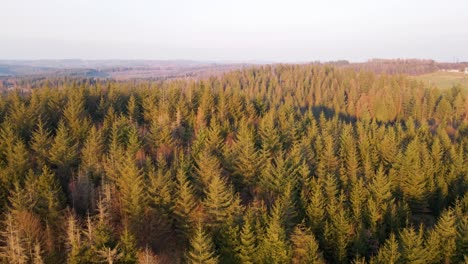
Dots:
pixel 244 31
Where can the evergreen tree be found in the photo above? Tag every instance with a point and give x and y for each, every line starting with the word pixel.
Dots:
pixel 305 247
pixel 247 251
pixel 274 247
pixel 12 250
pixel 91 154
pixel 389 252
pixel 220 202
pixel 40 143
pixel 413 182
pixel 201 248
pixel 63 151
pixel 185 203
pixel 412 248
pixel 128 248
pixel 442 246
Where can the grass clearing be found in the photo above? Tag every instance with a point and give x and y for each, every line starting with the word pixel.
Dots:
pixel 444 80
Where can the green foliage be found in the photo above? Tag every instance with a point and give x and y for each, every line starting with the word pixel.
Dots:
pixel 201 248
pixel 63 151
pixel 247 249
pixel 412 248
pixel 389 252
pixel 280 164
pixel 274 248
pixel 220 202
pixel 305 247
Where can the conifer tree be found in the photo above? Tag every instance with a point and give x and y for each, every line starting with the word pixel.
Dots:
pixel 40 143
pixel 443 246
pixel 185 203
pixel 201 248
pixel 12 250
pixel 74 241
pixel 380 189
pixel 208 167
pixel 413 182
pixel 220 202
pixel 75 116
pixel 389 251
pixel 91 154
pixel 305 247
pixel 127 248
pixel 412 248
pixel 133 109
pixel 63 151
pixel 315 202
pixel 50 197
pixel 247 251
pixel 246 162
pixel 274 247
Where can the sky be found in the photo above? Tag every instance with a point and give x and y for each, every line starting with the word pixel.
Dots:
pixel 236 30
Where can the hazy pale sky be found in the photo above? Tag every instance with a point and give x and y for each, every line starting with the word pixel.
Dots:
pixel 239 30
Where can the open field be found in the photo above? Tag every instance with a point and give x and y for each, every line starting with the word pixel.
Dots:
pixel 445 80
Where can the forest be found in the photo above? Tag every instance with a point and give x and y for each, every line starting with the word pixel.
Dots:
pixel 268 164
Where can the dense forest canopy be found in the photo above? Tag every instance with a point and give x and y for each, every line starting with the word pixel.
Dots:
pixel 274 164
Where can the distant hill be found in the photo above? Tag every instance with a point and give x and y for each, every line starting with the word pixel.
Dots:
pixel 402 66
pixel 116 69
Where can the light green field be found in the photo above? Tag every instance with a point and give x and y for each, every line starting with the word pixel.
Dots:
pixel 445 80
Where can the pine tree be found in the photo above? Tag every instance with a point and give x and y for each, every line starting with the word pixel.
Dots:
pixel 380 190
pixel 132 192
pixel 37 257
pixel 271 141
pixel 443 246
pixel 49 197
pixel 247 251
pixel 358 196
pixel 389 251
pixel 201 248
pixel 305 247
pixel 274 247
pixel 220 202
pixel 412 248
pixel 12 250
pixel 40 143
pixel 185 203
pixel 315 205
pixel 127 248
pixel 18 162
pixel 413 181
pixel 246 163
pixel 349 155
pixel 76 117
pixel 63 151
pixel 74 241
pixel 91 154
pixel 462 237
pixel 227 241
pixel 340 234
pixel 208 167
pixel 133 110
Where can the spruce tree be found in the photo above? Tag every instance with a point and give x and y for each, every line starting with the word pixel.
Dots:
pixel 220 202
pixel 412 248
pixel 63 151
pixel 185 203
pixel 201 248
pixel 40 143
pixel 247 251
pixel 305 247
pixel 389 251
pixel 274 247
